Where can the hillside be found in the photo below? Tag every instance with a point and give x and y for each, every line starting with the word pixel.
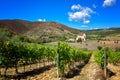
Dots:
pixel 17 26
pixel 52 31
pixel 40 30
pixel 103 33
pixel 22 25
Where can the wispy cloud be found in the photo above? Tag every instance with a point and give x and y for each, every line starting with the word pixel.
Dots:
pixel 108 3
pixel 76 7
pixel 42 20
pixel 81 14
pixel 86 21
pixel 84 26
pixel 94 28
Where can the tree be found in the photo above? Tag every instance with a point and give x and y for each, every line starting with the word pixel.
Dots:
pixel 79 40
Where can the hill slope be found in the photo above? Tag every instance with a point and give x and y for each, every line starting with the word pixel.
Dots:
pixel 52 30
pixel 39 30
pixel 18 26
pixel 103 33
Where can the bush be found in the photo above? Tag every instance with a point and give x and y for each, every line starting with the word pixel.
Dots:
pixel 99 47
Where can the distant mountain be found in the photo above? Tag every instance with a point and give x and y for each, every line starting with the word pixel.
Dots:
pixel 39 30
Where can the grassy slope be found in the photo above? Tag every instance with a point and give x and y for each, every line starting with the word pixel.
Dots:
pixel 39 30
pixel 103 33
pixel 53 30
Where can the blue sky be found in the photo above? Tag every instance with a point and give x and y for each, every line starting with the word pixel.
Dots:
pixel 80 14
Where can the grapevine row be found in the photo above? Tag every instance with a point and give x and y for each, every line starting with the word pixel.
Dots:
pixel 14 53
pixel 112 56
pixel 68 56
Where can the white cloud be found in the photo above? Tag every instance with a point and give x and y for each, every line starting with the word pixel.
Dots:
pixel 86 21
pixel 108 3
pixel 82 14
pixel 94 28
pixel 76 7
pixel 83 26
pixel 42 20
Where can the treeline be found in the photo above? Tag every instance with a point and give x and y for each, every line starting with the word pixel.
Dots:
pixel 101 33
pixel 8 35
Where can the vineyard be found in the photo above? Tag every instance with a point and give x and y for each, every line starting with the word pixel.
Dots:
pixel 68 56
pixel 16 55
pixel 106 58
pixel 112 56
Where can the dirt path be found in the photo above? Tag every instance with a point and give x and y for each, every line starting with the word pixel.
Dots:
pixel 92 71
pixel 47 75
pixel 115 70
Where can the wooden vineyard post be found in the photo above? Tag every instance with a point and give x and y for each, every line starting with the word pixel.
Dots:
pixel 105 63
pixel 58 62
pixel 58 65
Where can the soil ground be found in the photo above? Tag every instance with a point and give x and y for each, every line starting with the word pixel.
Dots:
pixel 91 44
pixel 115 70
pixel 91 71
